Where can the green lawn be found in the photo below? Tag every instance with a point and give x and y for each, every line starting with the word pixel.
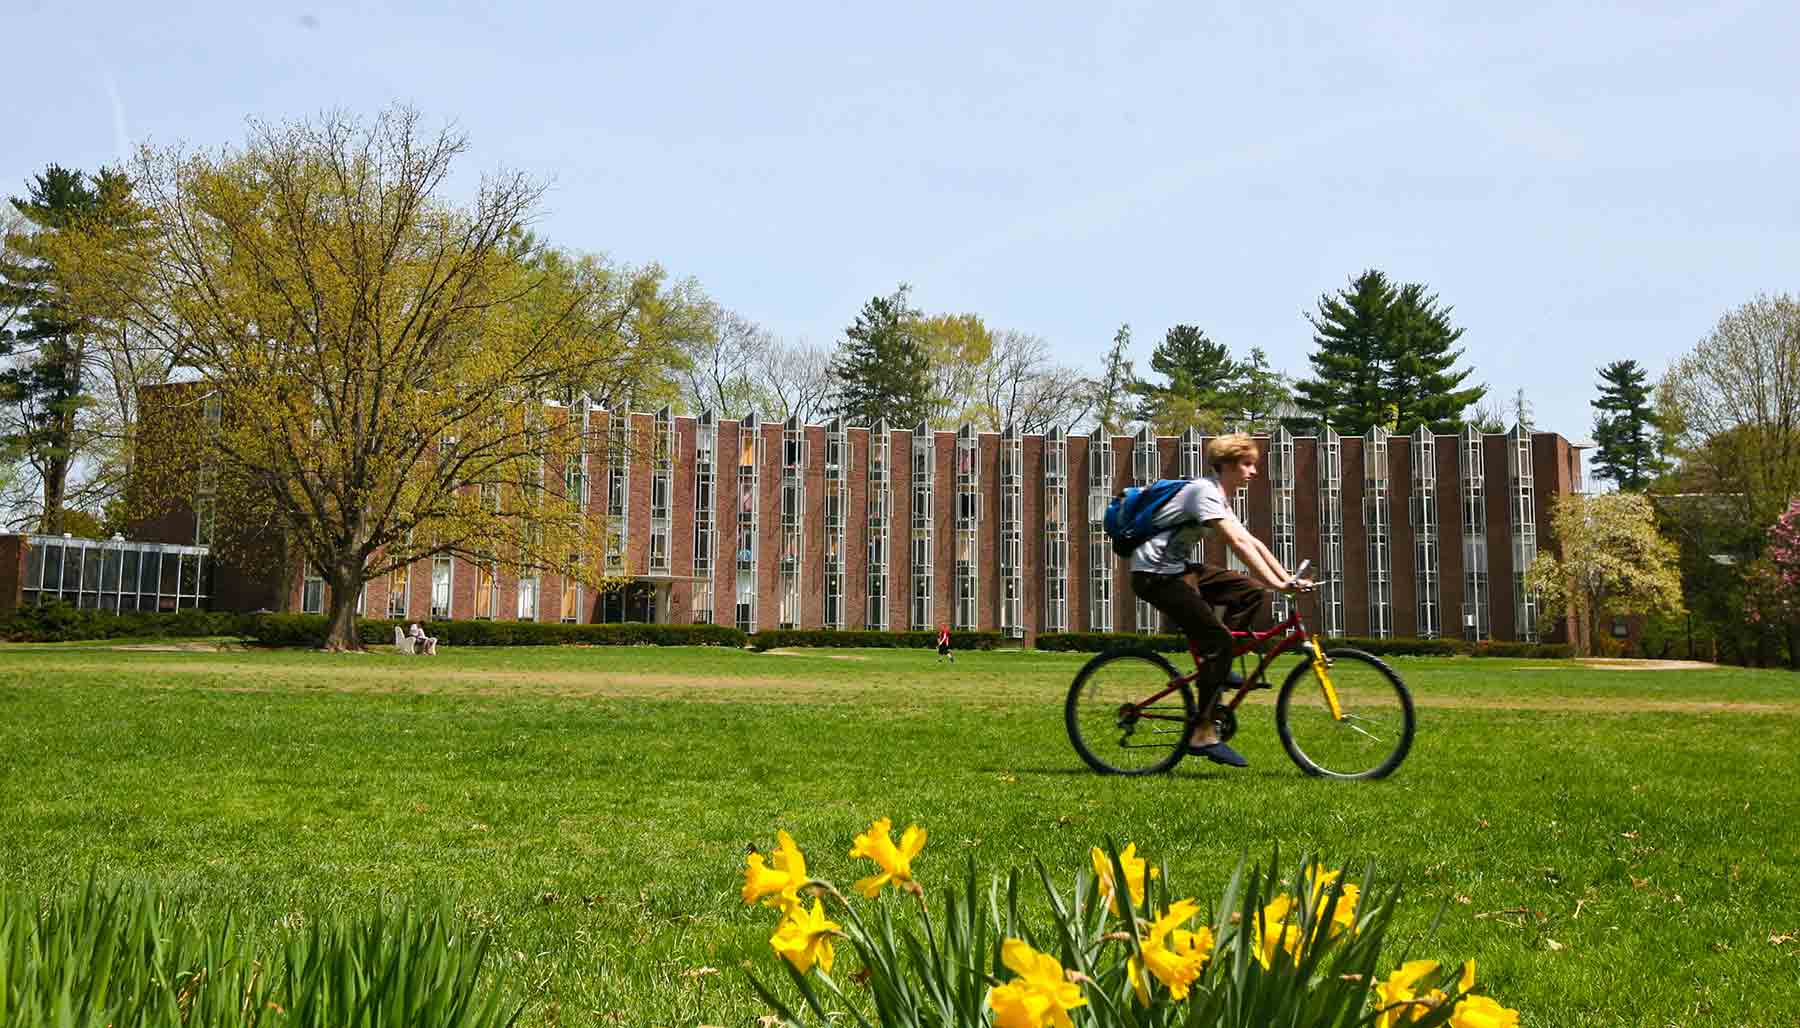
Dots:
pixel 1614 847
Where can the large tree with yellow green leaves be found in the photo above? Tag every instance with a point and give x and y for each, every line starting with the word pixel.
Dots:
pixel 1613 562
pixel 378 366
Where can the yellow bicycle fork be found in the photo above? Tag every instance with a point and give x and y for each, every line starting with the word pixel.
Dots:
pixel 1319 668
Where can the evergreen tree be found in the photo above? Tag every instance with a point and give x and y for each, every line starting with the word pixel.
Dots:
pixel 1350 332
pixel 1422 384
pixel 1266 394
pixel 881 367
pixel 1625 431
pixel 46 388
pixel 1385 357
pixel 1203 383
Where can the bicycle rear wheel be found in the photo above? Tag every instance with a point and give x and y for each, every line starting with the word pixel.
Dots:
pixel 1374 733
pixel 1128 713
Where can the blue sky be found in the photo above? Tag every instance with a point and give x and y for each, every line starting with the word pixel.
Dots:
pixel 1582 182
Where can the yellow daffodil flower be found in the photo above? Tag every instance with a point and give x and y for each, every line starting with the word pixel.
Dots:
pixel 1134 866
pixel 782 880
pixel 1394 999
pixel 1276 931
pixel 804 937
pixel 1173 955
pixel 1483 1012
pixel 1041 995
pixel 1467 981
pixel 895 862
pixel 1343 916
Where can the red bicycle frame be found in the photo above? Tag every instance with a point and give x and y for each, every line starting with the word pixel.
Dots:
pixel 1293 634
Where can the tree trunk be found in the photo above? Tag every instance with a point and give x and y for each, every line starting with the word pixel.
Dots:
pixel 56 485
pixel 346 585
pixel 1793 644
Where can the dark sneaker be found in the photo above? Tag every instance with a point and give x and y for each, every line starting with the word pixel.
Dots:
pixel 1219 753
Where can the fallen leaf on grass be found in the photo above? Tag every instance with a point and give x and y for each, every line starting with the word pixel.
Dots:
pixel 699 972
pixel 1776 940
pixel 1553 946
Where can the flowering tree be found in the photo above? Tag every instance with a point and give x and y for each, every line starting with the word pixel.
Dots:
pixel 1772 584
pixel 1612 561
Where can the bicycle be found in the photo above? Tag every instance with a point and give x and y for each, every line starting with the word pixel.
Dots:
pixel 1130 713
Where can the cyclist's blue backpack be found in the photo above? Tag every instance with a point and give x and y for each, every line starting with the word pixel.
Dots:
pixel 1130 517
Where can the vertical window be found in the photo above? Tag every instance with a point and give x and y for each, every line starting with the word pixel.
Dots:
pixel 312 595
pixel 399 584
pixel 528 598
pixel 440 587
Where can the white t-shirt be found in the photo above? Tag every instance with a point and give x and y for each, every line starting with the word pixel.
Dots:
pixel 1192 514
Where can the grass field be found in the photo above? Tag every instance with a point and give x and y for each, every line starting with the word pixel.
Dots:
pixel 1615 847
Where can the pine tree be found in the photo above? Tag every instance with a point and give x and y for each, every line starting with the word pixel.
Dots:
pixel 1625 434
pixel 1422 384
pixel 1385 357
pixel 881 367
pixel 47 386
pixel 1203 381
pixel 1350 332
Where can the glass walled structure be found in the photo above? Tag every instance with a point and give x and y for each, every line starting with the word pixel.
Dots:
pixel 114 575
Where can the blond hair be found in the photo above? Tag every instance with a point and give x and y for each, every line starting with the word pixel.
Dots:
pixel 1230 449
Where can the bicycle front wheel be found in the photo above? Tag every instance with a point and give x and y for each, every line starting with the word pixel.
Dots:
pixel 1369 733
pixel 1129 713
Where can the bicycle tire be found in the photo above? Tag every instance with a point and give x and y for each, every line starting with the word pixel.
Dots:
pixel 1111 740
pixel 1376 732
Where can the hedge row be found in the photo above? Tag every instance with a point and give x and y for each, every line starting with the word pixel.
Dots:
pixel 1094 642
pixel 784 637
pixel 60 622
pixel 310 630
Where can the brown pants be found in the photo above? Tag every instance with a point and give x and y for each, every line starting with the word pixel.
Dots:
pixel 1188 599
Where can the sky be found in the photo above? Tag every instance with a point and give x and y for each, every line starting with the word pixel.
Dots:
pixel 1581 183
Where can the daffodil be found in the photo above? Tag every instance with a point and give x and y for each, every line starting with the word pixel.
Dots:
pixel 1041 994
pixel 895 862
pixel 1482 1012
pixel 1134 866
pixel 1343 916
pixel 781 881
pixel 1395 1001
pixel 1467 981
pixel 803 938
pixel 1174 955
pixel 1276 930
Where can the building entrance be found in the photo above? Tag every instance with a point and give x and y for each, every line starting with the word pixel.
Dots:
pixel 635 601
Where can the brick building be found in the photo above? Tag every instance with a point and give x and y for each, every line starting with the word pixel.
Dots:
pixel 767 525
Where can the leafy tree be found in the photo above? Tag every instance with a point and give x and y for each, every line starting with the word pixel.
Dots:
pixel 1384 356
pixel 881 367
pixel 1116 379
pixel 1734 405
pixel 380 358
pixel 957 347
pixel 1625 434
pixel 1613 561
pixel 53 418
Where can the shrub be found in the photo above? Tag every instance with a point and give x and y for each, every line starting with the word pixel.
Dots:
pixel 775 638
pixel 1304 951
pixel 1524 650
pixel 310 630
pixel 121 956
pixel 60 622
pixel 1395 646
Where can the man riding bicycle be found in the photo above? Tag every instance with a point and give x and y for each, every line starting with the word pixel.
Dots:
pixel 1164 576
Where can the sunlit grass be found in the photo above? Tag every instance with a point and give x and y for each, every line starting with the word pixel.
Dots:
pixel 1615 847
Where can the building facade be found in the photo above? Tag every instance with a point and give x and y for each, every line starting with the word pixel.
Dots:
pixel 768 524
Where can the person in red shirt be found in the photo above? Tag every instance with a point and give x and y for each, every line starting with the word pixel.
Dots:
pixel 944 644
